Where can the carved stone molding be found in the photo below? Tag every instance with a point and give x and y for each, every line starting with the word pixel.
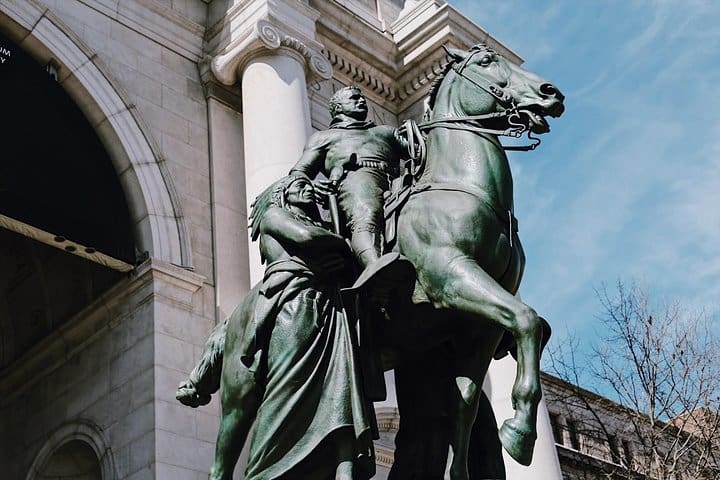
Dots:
pixel 358 76
pixel 395 65
pixel 268 36
pixel 419 82
pixel 384 457
pixel 396 94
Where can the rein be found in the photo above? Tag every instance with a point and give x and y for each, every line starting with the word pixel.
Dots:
pixel 470 123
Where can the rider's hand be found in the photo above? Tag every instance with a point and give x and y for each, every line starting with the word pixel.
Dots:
pixel 323 188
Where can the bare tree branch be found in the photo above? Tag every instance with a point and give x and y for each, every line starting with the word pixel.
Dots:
pixel 660 363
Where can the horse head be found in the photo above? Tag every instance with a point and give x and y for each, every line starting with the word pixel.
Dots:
pixel 484 82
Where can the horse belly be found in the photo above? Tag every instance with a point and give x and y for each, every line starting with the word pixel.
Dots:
pixel 460 224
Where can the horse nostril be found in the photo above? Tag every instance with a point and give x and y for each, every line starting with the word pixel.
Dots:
pixel 549 90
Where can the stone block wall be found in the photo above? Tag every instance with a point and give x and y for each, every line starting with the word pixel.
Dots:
pixel 138 342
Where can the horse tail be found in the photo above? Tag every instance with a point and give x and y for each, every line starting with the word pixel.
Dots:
pixel 204 379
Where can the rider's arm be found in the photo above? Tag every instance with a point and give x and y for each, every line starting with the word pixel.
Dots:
pixel 282 226
pixel 313 156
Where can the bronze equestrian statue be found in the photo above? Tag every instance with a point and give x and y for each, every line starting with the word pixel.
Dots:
pixel 456 225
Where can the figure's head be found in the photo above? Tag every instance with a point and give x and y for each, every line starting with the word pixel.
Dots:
pixel 350 102
pixel 294 191
pixel 299 193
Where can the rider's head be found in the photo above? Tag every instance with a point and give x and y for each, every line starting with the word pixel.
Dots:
pixel 349 102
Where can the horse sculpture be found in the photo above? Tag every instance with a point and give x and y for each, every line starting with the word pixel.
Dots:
pixel 459 231
pixel 457 227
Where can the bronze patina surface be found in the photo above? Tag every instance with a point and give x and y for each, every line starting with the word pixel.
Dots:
pixel 457 227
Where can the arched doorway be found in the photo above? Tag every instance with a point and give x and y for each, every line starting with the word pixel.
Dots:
pixel 75 460
pixel 75 451
pixel 55 174
pixel 157 220
pixel 65 229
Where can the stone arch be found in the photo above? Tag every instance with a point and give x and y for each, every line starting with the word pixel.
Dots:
pixel 86 434
pixel 149 191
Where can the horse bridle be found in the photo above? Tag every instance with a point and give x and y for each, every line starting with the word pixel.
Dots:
pixel 471 123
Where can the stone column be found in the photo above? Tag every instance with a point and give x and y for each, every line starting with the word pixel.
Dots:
pixel 277 124
pixel 272 67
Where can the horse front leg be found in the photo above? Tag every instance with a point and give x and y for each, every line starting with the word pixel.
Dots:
pixel 455 281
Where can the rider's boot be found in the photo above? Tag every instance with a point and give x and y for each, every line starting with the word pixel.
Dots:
pixel 384 276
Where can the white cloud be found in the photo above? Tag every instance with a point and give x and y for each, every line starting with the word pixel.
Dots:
pixel 628 183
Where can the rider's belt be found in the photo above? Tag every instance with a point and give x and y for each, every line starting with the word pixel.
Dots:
pixel 376 165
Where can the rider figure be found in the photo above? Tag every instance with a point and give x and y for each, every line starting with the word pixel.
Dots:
pixel 359 158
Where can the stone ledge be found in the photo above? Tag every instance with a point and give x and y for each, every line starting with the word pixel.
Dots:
pixel 151 279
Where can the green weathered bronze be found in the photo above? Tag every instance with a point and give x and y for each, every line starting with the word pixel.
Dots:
pixel 457 227
pixel 459 231
pixel 290 355
pixel 357 158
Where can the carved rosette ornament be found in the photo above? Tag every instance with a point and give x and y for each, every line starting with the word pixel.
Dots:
pixel 268 36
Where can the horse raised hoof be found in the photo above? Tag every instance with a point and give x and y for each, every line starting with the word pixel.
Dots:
pixel 518 442
pixel 187 395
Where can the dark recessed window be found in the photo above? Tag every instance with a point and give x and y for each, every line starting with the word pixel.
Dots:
pixel 573 434
pixel 556 428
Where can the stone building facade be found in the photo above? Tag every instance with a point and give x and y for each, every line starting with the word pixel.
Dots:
pixel 136 133
pixel 597 438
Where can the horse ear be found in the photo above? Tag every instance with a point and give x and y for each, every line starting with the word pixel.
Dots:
pixel 455 54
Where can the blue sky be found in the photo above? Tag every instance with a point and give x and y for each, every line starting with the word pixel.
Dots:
pixel 627 184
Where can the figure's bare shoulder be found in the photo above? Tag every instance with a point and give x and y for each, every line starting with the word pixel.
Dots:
pixel 320 139
pixel 275 220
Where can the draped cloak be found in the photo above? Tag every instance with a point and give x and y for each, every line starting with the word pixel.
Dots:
pixel 303 350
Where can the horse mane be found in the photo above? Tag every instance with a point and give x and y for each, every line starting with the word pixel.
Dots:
pixel 435 86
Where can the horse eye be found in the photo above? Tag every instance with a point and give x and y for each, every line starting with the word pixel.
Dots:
pixel 486 60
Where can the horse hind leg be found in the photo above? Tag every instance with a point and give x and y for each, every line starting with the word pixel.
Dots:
pixel 469 360
pixel 462 285
pixel 239 408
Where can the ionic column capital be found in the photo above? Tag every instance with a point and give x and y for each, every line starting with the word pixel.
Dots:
pixel 266 37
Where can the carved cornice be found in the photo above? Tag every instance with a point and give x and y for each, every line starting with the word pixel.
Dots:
pixel 267 36
pixel 395 67
pixel 357 76
pixel 421 79
pixel 394 94
pixel 384 456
